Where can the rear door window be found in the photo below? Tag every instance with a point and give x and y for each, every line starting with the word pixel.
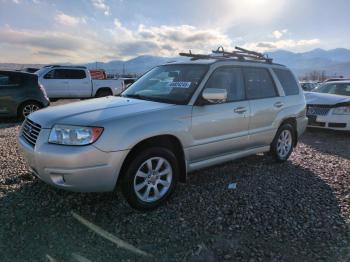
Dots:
pixel 259 83
pixel 6 80
pixel 75 74
pixel 288 82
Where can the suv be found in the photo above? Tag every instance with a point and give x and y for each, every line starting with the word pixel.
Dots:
pixel 176 118
pixel 20 94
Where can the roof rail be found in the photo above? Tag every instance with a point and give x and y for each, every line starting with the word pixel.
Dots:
pixel 240 54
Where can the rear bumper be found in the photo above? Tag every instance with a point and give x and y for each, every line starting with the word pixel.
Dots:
pixel 80 169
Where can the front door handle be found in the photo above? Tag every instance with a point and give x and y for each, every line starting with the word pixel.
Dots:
pixel 240 110
pixel 278 104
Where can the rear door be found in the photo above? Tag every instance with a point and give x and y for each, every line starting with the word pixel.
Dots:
pixel 79 83
pixel 9 93
pixel 56 83
pixel 220 129
pixel 265 103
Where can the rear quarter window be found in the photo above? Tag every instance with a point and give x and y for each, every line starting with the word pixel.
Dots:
pixel 288 82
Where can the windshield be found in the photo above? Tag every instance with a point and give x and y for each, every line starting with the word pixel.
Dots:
pixel 335 89
pixel 174 84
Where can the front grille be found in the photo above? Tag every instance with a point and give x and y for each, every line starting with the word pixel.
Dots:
pixel 317 110
pixel 337 125
pixel 30 131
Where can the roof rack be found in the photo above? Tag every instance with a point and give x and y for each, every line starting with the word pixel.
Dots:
pixel 239 53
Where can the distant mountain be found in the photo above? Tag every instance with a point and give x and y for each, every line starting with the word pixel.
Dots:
pixel 334 62
pixel 136 65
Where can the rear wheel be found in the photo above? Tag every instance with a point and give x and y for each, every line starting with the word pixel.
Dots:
pixel 282 145
pixel 27 108
pixel 150 178
pixel 103 92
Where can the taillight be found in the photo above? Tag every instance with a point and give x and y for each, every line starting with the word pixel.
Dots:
pixel 44 91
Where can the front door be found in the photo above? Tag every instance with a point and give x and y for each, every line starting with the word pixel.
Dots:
pixel 220 129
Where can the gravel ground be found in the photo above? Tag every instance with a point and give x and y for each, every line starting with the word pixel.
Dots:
pixel 296 211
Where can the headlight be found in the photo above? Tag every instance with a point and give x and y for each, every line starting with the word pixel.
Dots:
pixel 341 110
pixel 74 135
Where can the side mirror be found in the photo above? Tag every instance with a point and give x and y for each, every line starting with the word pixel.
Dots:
pixel 215 95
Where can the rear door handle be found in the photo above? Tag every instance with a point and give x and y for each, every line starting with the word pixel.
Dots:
pixel 240 110
pixel 278 104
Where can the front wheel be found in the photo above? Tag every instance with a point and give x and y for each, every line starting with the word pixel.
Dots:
pixel 150 178
pixel 282 145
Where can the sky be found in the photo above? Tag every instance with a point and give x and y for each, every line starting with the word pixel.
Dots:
pixel 80 31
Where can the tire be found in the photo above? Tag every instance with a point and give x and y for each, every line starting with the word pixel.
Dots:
pixel 283 143
pixel 27 108
pixel 103 93
pixel 140 184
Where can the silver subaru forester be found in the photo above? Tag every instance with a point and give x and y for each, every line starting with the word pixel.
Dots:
pixel 176 118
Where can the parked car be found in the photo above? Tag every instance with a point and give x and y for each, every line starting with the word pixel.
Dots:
pixel 329 106
pixel 308 86
pixel 20 94
pixel 334 79
pixel 75 82
pixel 175 119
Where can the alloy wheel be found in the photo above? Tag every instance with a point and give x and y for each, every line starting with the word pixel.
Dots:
pixel 28 109
pixel 153 179
pixel 284 143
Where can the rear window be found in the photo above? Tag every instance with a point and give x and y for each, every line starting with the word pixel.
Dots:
pixel 259 83
pixel 288 82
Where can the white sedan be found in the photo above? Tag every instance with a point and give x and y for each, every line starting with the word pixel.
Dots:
pixel 329 106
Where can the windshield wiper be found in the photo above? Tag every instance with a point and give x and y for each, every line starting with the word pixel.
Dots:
pixel 137 96
pixel 148 98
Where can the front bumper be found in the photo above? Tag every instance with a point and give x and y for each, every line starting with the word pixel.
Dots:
pixel 73 168
pixel 330 121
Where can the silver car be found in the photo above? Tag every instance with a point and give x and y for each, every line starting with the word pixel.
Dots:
pixel 176 118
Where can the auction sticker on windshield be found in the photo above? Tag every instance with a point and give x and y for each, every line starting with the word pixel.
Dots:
pixel 180 84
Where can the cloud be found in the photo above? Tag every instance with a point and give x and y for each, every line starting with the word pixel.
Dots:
pixel 266 45
pixel 101 5
pixel 278 34
pixel 49 40
pixel 169 40
pixel 68 20
pixel 282 44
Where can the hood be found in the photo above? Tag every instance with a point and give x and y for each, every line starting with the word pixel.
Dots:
pixel 313 98
pixel 94 111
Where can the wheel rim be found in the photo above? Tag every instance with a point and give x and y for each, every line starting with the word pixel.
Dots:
pixel 284 143
pixel 30 108
pixel 153 179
